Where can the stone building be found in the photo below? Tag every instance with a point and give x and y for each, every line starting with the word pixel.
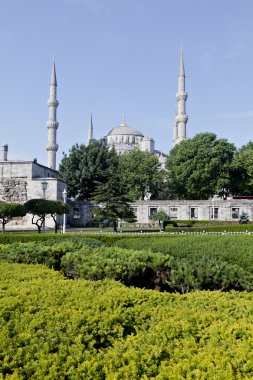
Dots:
pixel 213 209
pixel 125 139
pixel 23 180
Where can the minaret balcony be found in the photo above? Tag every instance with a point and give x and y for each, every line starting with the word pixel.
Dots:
pixel 181 96
pixel 52 103
pixel 52 146
pixel 52 124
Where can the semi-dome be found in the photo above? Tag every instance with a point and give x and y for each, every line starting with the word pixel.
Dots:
pixel 124 129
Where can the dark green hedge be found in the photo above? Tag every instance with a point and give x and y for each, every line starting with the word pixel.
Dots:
pixel 166 263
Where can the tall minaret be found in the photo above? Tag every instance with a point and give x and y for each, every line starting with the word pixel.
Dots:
pixel 175 131
pixel 52 123
pixel 181 117
pixel 90 130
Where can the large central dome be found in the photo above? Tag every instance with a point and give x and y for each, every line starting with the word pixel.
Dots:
pixel 124 139
pixel 123 129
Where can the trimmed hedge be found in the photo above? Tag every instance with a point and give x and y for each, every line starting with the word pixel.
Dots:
pixel 48 252
pixel 144 269
pixel 53 328
pixel 203 262
pixel 166 263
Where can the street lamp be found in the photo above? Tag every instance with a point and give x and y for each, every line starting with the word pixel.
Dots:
pixel 64 194
pixel 213 209
pixel 44 184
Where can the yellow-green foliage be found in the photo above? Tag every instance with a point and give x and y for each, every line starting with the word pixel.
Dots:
pixel 53 328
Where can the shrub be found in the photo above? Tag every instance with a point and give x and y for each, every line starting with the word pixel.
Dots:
pixel 133 268
pixel 53 328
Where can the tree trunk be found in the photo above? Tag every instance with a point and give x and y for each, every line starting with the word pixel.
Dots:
pixel 114 226
pixel 55 223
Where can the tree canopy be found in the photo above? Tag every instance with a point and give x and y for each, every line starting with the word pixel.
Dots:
pixel 141 174
pixel 8 211
pixel 113 199
pixel 200 167
pixel 40 208
pixel 84 167
pixel 243 164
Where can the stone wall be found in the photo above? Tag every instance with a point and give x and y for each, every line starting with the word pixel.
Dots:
pixel 13 189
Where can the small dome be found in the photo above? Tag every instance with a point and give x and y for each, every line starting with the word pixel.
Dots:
pixel 124 129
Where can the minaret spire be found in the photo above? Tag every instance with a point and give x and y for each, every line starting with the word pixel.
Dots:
pixel 52 123
pixel 90 130
pixel 181 65
pixel 181 117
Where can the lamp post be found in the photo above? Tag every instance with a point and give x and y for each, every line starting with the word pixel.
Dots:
pixel 64 194
pixel 212 209
pixel 44 184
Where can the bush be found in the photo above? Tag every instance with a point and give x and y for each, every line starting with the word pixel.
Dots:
pixel 48 252
pixel 202 262
pixel 53 328
pixel 133 268
pixel 166 262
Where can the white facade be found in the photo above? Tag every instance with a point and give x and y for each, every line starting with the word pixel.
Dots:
pixel 215 209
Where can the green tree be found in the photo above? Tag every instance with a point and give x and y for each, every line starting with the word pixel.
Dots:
pixel 8 211
pixel 243 166
pixel 84 167
pixel 142 174
pixel 113 199
pixel 58 208
pixel 161 217
pixel 40 208
pixel 200 167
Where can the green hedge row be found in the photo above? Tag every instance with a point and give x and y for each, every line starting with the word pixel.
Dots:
pixel 166 263
pixel 222 228
pixel 88 258
pixel 53 328
pixel 203 262
pixel 107 239
pixel 144 269
pixel 44 251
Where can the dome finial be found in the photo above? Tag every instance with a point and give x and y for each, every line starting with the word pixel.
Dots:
pixel 123 123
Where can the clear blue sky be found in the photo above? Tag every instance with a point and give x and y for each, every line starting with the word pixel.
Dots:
pixel 116 57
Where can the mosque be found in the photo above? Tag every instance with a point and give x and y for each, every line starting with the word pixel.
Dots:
pixel 124 138
pixel 24 180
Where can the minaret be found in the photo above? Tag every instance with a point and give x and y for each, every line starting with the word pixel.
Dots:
pixel 175 131
pixel 90 131
pixel 181 117
pixel 52 123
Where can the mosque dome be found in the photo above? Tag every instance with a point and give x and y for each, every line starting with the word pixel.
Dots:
pixel 123 129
